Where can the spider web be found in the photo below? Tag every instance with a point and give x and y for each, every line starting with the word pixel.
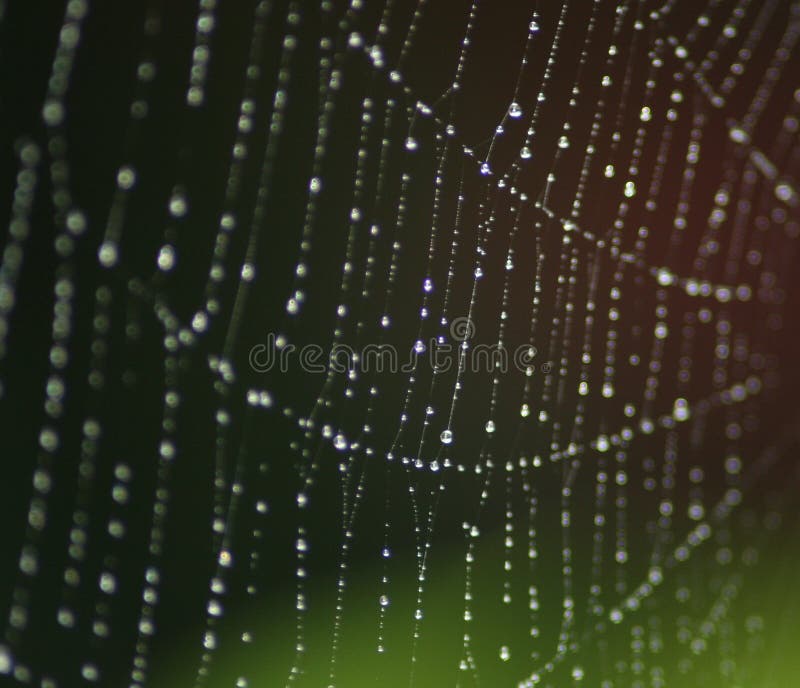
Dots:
pixel 601 192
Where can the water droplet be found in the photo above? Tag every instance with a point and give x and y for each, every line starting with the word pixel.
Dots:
pixel 108 254
pixel 126 178
pixel 166 258
pixel 53 113
pixel 90 672
pixel 108 583
pixel 739 135
pixel 515 110
pixel 665 277
pixel 200 322
pixel 6 660
pixel 248 272
pixel 178 205
pixel 446 437
pixel 784 192
pixel 680 411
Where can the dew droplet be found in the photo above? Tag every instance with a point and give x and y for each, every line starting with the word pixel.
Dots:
pixel 178 205
pixel 166 258
pixel 739 135
pixel 108 254
pixel 126 178
pixel 665 277
pixel 680 411
pixel 6 660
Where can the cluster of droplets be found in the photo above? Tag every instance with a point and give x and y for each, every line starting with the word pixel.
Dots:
pixel 596 267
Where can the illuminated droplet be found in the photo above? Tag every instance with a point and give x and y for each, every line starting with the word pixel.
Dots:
pixel 166 258
pixel 680 412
